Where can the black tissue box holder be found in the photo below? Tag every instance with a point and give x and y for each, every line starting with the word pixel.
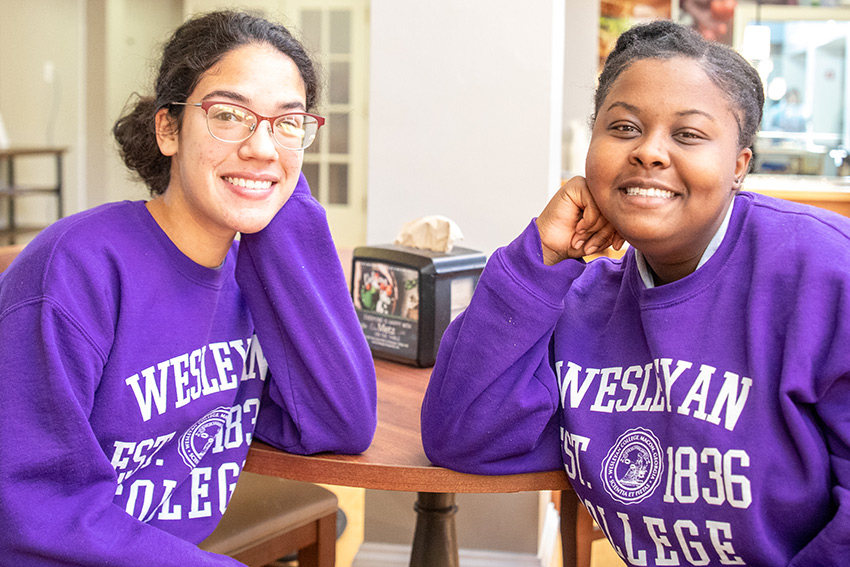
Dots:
pixel 406 297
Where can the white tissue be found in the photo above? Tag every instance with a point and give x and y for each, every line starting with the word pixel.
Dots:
pixel 435 232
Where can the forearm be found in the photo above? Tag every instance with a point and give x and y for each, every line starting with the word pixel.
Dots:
pixel 323 377
pixel 492 401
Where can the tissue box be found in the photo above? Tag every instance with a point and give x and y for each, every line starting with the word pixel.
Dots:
pixel 405 297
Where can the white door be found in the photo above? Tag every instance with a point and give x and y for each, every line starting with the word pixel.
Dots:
pixel 337 34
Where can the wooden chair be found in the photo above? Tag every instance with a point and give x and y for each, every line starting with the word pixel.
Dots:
pixel 267 518
pixel 8 253
pixel 577 531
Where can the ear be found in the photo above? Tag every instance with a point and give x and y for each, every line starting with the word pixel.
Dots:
pixel 166 132
pixel 742 166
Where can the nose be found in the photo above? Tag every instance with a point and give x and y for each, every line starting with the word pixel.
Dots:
pixel 651 150
pixel 260 144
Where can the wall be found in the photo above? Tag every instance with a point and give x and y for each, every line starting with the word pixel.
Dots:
pixel 42 93
pixel 73 78
pixel 465 115
pixel 580 71
pixel 493 522
pixel 465 121
pixel 100 155
pixel 134 33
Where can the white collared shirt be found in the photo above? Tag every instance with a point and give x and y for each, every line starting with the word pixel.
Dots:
pixel 646 274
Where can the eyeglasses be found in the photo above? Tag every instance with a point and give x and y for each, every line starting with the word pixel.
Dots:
pixel 235 123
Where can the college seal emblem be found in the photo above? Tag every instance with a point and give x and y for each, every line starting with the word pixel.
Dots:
pixel 197 440
pixel 631 471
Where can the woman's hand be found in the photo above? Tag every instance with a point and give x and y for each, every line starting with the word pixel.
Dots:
pixel 571 225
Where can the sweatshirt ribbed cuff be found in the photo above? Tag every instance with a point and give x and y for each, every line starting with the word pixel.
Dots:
pixel 523 259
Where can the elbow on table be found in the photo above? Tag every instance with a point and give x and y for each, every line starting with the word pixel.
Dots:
pixel 444 453
pixel 457 449
pixel 354 420
pixel 444 449
pixel 347 433
pixel 440 445
pixel 436 449
pixel 357 438
pixel 342 441
pixel 359 429
pixel 351 434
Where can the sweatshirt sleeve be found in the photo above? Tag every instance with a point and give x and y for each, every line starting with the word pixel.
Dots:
pixel 322 394
pixel 56 484
pixel 491 405
pixel 830 400
pixel 831 546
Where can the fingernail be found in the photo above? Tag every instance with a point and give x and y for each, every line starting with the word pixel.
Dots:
pixel 578 244
pixel 591 250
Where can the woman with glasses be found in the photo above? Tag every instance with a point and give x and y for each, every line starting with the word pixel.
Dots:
pixel 143 347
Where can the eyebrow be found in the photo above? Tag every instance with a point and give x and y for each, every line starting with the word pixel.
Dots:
pixel 689 112
pixel 241 99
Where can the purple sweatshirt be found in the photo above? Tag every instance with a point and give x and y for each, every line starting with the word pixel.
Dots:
pixel 702 422
pixel 132 381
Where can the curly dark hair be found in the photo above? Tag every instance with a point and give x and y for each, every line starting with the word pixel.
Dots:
pixel 193 48
pixel 664 39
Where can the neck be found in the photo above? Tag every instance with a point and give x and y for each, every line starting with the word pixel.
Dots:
pixel 667 273
pixel 191 239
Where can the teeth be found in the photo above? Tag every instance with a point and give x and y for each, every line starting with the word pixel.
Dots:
pixel 248 183
pixel 650 192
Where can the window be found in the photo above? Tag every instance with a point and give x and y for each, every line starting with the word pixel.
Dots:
pixel 805 127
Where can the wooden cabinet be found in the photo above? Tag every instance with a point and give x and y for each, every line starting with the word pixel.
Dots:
pixel 836 201
pixel 11 189
pixel 831 193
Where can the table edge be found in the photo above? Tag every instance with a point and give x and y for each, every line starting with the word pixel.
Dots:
pixel 344 470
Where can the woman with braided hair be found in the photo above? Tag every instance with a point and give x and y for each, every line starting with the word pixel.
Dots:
pixel 696 391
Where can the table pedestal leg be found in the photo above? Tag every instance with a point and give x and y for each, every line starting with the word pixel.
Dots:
pixel 435 539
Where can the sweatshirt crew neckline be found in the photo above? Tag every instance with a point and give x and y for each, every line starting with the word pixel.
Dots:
pixel 212 277
pixel 694 283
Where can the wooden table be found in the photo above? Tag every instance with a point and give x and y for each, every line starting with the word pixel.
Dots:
pixel 396 461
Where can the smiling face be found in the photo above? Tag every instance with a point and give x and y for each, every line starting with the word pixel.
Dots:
pixel 664 159
pixel 220 188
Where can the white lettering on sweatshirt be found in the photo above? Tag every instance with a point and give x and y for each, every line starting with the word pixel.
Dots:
pixel 654 386
pixel 183 379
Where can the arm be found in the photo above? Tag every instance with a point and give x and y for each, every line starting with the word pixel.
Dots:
pixel 831 545
pixel 816 391
pixel 491 406
pixel 322 395
pixel 56 483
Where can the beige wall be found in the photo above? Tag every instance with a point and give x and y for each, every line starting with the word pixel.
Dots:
pixel 465 115
pixel 42 93
pixel 67 68
pixel 495 522
pixel 133 33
